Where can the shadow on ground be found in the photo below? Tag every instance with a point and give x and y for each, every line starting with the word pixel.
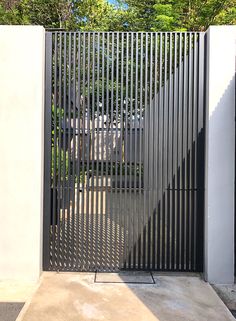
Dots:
pixel 75 296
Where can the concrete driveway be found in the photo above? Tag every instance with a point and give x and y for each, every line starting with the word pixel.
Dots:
pixel 81 297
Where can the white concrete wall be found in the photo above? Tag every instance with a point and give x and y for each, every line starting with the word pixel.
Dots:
pixel 21 151
pixel 220 152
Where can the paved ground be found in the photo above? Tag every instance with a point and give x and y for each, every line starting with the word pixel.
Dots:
pixel 10 310
pixel 228 295
pixel 75 296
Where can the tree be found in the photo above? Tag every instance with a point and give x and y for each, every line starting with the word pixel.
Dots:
pixel 202 14
pixel 50 13
pixel 168 15
pixel 126 15
pixel 93 15
pixel 11 13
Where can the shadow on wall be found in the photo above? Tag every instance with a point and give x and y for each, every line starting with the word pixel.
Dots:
pixel 158 224
pixel 172 220
pixel 221 183
pixel 220 120
pixel 168 227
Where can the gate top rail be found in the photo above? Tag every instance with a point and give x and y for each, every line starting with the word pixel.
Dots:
pixel 125 32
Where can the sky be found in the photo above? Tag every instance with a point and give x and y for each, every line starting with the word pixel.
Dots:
pixel 112 1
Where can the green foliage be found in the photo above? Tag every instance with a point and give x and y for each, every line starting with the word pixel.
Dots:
pixel 11 13
pixel 50 13
pixel 164 15
pixel 131 15
pixel 62 160
pixel 93 15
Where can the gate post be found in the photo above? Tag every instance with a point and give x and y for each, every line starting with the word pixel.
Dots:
pixel 21 148
pixel 220 154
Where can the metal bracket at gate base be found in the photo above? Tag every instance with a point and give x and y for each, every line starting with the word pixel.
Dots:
pixel 127 277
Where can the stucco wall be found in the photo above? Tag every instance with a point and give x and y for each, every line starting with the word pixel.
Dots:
pixel 21 151
pixel 220 152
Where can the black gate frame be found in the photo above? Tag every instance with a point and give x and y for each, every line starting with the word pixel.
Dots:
pixel 48 158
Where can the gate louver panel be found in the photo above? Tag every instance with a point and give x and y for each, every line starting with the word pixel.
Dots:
pixel 124 151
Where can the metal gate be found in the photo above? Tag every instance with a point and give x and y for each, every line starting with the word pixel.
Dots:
pixel 124 151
